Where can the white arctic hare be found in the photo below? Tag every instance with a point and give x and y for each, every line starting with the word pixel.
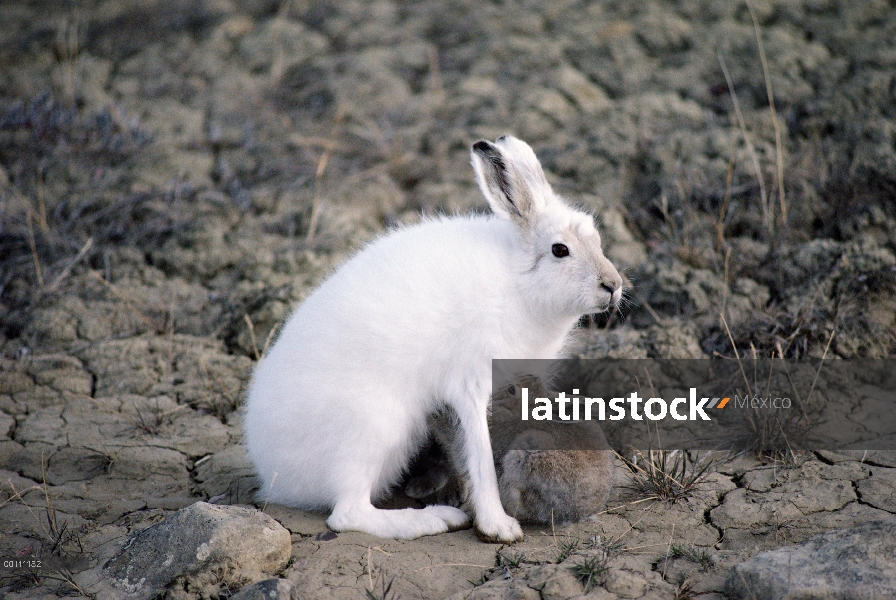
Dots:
pixel 410 324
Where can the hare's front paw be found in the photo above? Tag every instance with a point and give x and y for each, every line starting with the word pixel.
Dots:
pixel 454 518
pixel 502 529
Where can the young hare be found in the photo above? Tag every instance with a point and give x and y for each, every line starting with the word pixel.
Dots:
pixel 548 472
pixel 410 325
pixel 557 473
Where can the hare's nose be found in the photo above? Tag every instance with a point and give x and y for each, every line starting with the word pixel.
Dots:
pixel 614 288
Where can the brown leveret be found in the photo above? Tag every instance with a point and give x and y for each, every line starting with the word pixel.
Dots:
pixel 547 472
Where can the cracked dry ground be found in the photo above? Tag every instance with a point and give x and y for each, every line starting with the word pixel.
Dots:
pixel 174 175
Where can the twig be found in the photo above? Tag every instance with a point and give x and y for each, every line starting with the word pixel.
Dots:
pixel 435 73
pixel 668 550
pixel 632 503
pixel 17 495
pixel 553 531
pixel 270 487
pixel 723 210
pixel 66 577
pixel 820 365
pixel 33 245
pixel 313 141
pixel 41 204
pixel 248 320
pixel 51 514
pixel 789 447
pixel 646 305
pixel 318 175
pixel 736 354
pixel 752 150
pixel 779 152
pixel 127 302
pixel 267 341
pixel 452 565
pixel 224 390
pixel 68 268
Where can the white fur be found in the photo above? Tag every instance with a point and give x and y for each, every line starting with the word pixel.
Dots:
pixel 411 323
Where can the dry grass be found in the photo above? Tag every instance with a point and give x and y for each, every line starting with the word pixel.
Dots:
pixel 591 571
pixel 779 148
pixel 776 435
pixel 57 546
pixel 669 476
pixel 382 591
pixel 684 590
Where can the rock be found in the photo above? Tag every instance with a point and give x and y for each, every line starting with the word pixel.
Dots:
pixel 555 582
pixel 35 398
pixel 75 464
pixel 562 587
pixel 12 382
pixel 195 540
pixel 620 244
pixel 6 423
pixel 66 380
pixel 625 584
pixel 884 458
pixel 674 341
pixel 744 510
pixel 298 521
pixel 269 589
pixel 852 563
pixel 15 516
pixel 280 41
pixel 514 590
pixel 8 449
pixel 598 594
pixel 227 472
pixel 589 97
pixel 879 490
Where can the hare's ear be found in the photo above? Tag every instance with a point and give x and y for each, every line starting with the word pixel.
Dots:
pixel 511 178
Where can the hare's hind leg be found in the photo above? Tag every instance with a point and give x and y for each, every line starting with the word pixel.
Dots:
pixel 360 474
pixel 358 514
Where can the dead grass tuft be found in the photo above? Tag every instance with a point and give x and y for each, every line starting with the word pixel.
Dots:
pixel 669 476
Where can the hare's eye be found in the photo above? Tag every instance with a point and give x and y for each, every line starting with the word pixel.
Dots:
pixel 560 250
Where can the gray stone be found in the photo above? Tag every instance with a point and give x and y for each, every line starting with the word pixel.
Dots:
pixel 789 501
pixel 563 586
pixel 555 581
pixel 625 584
pixel 879 490
pixel 13 382
pixel 195 540
pixel 589 97
pixel 269 589
pixel 298 521
pixel 228 472
pixel 845 564
pixel 499 590
pixel 6 423
pixel 66 380
pixel 884 458
pixel 598 594
pixel 280 40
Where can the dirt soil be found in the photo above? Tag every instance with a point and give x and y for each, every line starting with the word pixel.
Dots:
pixel 174 175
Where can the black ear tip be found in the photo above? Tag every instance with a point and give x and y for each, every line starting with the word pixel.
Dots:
pixel 483 147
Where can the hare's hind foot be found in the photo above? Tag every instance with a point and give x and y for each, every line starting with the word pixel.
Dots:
pixel 404 524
